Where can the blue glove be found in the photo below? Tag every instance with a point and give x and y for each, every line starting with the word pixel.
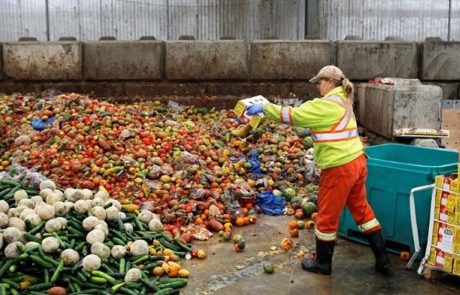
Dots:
pixel 255 109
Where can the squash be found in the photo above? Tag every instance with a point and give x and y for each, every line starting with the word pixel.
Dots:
pixel 309 208
pixel 268 268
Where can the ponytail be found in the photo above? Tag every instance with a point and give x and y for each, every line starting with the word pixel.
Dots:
pixel 349 89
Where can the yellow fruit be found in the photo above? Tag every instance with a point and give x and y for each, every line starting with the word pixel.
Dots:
pixel 242 132
pixel 165 266
pixel 183 273
pixel 158 271
pixel 201 254
pixel 152 251
pixel 165 178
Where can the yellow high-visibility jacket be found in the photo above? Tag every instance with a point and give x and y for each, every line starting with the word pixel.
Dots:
pixel 331 122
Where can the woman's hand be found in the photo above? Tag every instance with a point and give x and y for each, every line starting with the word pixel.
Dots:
pixel 255 109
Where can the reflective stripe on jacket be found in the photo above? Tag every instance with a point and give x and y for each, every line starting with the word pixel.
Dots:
pixel 340 130
pixel 322 115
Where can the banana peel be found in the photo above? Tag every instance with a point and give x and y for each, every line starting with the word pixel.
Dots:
pixel 242 132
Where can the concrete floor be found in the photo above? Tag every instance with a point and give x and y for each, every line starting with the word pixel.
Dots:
pixel 227 272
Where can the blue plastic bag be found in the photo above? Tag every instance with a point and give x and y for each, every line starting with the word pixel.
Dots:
pixel 270 204
pixel 39 124
pixel 255 164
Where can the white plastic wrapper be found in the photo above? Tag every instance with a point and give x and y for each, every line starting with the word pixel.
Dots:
pixel 28 176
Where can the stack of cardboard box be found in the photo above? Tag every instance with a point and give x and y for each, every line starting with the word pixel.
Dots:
pixel 445 242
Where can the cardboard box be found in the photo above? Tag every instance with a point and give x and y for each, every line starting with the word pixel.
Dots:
pixel 456 242
pixel 453 218
pixel 443 214
pixel 444 199
pixel 436 212
pixel 456 249
pixel 453 203
pixel 456 265
pixel 437 198
pixel 438 181
pixel 243 104
pixel 448 238
pixel 445 238
pixel 455 186
pixel 443 260
pixel 435 233
pixel 432 257
pixel 441 198
pixel 448 262
pixel 447 183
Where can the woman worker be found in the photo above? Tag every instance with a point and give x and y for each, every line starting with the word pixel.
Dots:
pixel 338 151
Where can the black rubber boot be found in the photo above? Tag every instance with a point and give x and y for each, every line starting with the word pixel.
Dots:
pixel 382 262
pixel 323 262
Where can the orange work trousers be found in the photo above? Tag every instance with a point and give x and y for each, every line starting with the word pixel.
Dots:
pixel 339 187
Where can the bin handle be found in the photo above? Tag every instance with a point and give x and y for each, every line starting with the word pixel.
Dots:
pixel 413 221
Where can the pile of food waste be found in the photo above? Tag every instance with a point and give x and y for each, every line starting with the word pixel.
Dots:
pixel 184 163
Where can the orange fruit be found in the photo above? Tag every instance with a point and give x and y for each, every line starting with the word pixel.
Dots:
pixel 292 224
pixel 294 233
pixel 239 221
pixel 404 255
pixel 228 226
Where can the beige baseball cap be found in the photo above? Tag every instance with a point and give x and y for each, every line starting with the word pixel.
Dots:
pixel 328 72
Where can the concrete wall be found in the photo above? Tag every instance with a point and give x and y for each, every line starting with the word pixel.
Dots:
pixel 361 60
pixel 206 60
pixel 42 60
pixel 440 60
pixel 128 60
pixel 289 60
pixel 221 67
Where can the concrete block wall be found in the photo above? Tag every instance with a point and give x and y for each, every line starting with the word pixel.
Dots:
pixel 42 60
pixel 123 60
pixel 362 60
pixel 440 60
pixel 225 66
pixel 289 60
pixel 206 60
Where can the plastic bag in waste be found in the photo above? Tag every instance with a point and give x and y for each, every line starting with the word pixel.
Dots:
pixel 176 106
pixel 27 176
pixel 241 189
pixel 235 209
pixel 270 204
pixel 255 164
pixel 5 176
pixel 39 124
pixel 311 173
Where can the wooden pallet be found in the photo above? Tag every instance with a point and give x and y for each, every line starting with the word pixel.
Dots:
pixel 434 273
pixel 451 122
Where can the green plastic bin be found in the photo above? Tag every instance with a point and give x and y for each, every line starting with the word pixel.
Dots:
pixel 393 170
